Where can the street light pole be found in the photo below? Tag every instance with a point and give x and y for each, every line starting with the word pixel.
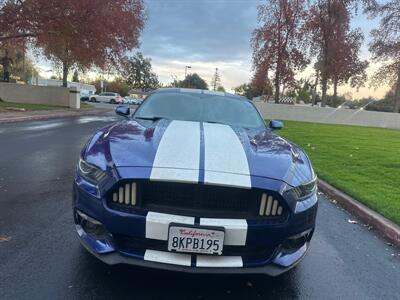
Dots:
pixel 187 67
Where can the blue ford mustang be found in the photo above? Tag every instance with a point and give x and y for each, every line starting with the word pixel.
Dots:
pixel 194 181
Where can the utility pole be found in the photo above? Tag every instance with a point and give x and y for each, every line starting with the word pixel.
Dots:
pixel 187 67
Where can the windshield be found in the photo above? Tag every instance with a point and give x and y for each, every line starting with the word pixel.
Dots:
pixel 200 107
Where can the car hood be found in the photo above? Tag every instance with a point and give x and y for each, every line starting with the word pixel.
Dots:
pixel 199 152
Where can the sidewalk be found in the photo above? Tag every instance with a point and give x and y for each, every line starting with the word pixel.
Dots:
pixel 18 116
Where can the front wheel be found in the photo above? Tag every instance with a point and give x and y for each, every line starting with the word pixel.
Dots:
pixel 112 101
pixel 92 99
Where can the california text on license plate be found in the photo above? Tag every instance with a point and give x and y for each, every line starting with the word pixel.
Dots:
pixel 196 239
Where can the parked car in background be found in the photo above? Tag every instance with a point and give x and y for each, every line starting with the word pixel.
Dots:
pixel 129 100
pixel 107 97
pixel 139 100
pixel 85 96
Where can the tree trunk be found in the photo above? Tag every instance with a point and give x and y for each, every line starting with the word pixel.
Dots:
pixel 335 85
pixel 277 85
pixel 65 74
pixel 324 83
pixel 397 94
pixel 314 95
pixel 6 67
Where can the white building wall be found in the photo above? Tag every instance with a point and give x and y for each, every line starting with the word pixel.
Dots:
pixel 82 87
pixel 328 115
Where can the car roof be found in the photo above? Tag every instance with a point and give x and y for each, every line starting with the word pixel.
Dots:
pixel 197 91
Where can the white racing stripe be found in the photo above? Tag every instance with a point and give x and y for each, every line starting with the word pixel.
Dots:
pixel 219 261
pixel 225 159
pixel 178 154
pixel 168 257
pixel 157 224
pixel 235 229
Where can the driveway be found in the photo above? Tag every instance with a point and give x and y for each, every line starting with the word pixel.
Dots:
pixel 41 258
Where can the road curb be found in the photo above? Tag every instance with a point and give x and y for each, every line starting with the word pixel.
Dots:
pixel 52 116
pixel 385 227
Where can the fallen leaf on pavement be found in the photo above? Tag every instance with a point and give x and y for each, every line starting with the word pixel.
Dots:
pixel 352 221
pixel 4 238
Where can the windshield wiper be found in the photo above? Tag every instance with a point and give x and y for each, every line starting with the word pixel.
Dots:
pixel 150 118
pixel 215 122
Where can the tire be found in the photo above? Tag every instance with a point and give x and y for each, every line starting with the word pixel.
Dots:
pixel 93 100
pixel 112 101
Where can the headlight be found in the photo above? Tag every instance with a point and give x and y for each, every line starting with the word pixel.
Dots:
pixel 303 191
pixel 89 172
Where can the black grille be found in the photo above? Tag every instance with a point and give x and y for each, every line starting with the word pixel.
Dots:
pixel 201 200
pixel 197 197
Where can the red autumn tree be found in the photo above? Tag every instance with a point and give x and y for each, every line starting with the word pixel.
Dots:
pixel 12 23
pixel 327 22
pixel 385 47
pixel 76 32
pixel 260 81
pixel 345 66
pixel 334 45
pixel 278 43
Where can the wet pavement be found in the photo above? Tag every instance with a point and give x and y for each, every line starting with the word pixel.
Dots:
pixel 41 258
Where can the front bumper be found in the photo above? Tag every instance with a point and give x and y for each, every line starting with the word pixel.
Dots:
pixel 115 258
pixel 112 247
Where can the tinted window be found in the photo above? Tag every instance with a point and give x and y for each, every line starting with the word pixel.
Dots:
pixel 201 107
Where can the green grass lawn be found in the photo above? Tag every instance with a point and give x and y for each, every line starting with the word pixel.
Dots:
pixel 27 106
pixel 363 162
pixel 33 107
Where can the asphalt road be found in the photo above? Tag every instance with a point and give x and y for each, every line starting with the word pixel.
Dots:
pixel 41 258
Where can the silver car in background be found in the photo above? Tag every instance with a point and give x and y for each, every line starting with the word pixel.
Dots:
pixel 107 97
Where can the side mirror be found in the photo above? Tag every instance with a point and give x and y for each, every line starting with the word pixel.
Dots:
pixel 123 110
pixel 275 124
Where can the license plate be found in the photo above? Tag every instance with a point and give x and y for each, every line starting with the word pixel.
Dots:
pixel 196 239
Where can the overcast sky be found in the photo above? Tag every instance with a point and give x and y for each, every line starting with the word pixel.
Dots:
pixel 209 34
pixel 204 34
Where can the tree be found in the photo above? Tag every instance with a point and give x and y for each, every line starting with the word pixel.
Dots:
pixel 216 80
pixel 302 91
pixel 75 78
pixel 334 45
pixel 14 62
pixel 193 81
pixel 248 90
pixel 85 33
pixel 7 55
pixel 278 43
pixel 120 86
pixel 345 65
pixel 221 89
pixel 385 47
pixel 138 72
pixel 260 83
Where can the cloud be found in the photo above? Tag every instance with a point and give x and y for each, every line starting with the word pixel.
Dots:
pixel 203 34
pixel 209 34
